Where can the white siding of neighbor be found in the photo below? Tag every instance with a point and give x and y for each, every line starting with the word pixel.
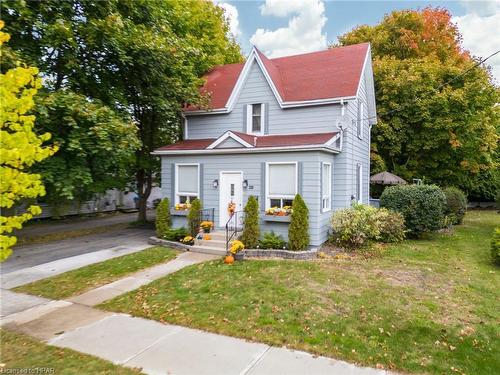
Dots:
pixel 316 119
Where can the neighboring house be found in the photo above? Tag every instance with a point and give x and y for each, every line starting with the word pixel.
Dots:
pixel 277 127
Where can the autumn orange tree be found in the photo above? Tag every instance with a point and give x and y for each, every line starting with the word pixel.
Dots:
pixel 436 104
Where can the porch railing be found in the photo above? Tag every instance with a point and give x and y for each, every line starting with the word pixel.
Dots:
pixel 233 226
pixel 206 214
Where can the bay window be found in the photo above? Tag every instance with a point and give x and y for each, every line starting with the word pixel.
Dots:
pixel 281 184
pixel 187 182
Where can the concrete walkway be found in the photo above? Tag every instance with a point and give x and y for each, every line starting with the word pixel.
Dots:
pixel 155 347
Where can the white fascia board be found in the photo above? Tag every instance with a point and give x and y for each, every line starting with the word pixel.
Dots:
pixel 305 103
pixel 325 148
pixel 227 135
pixel 368 53
pixel 332 140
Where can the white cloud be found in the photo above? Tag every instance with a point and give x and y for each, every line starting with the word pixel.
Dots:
pixel 304 30
pixel 232 17
pixel 480 29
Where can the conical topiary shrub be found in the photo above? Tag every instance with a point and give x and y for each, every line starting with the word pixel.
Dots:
pixel 251 230
pixel 163 222
pixel 193 217
pixel 298 231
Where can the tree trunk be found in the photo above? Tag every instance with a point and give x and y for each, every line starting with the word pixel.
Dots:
pixel 144 186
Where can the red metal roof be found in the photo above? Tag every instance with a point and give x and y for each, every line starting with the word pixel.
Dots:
pixel 333 73
pixel 189 144
pixel 287 140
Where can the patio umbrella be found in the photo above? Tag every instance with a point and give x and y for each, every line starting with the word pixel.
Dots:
pixel 386 178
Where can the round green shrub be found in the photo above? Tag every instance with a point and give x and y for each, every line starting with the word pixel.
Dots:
pixel 193 217
pixel 163 221
pixel 495 246
pixel 456 204
pixel 391 225
pixel 271 240
pixel 251 230
pixel 359 225
pixel 298 230
pixel 422 206
pixel 355 226
pixel 176 234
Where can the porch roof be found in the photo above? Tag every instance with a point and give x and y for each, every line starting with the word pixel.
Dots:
pixel 256 142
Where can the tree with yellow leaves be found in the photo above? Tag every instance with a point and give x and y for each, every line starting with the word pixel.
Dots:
pixel 20 147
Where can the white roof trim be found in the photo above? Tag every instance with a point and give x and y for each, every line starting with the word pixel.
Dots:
pixel 332 140
pixel 226 135
pixel 291 104
pixel 323 147
pixel 368 52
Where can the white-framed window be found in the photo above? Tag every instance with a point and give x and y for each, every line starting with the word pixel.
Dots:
pixel 255 118
pixel 359 183
pixel 187 182
pixel 326 187
pixel 281 184
pixel 361 121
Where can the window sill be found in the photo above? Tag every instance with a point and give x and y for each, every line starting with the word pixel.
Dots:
pixel 175 212
pixel 276 218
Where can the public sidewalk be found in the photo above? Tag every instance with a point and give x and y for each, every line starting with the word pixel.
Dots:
pixel 155 347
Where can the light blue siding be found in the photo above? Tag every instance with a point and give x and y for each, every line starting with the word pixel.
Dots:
pixel 304 120
pixel 251 166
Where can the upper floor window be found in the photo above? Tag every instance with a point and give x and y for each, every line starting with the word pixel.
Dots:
pixel 281 184
pixel 255 118
pixel 187 182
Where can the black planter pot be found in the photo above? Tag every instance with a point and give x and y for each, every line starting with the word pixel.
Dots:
pixel 239 255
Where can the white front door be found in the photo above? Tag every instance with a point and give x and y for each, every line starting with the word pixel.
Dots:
pixel 231 190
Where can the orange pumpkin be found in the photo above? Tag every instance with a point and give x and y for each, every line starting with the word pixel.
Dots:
pixel 229 259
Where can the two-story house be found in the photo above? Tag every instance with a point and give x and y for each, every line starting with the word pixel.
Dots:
pixel 277 127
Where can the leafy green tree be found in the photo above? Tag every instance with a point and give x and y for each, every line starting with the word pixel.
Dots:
pixel 298 230
pixel 142 58
pixel 193 217
pixel 251 230
pixel 436 108
pixel 96 147
pixel 163 220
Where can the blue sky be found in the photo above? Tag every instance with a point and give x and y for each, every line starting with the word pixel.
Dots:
pixel 285 27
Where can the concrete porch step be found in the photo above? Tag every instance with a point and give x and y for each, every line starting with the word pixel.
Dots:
pixel 218 235
pixel 211 243
pixel 207 250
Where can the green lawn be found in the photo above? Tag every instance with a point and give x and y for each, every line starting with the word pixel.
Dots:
pixel 83 279
pixel 22 352
pixel 427 306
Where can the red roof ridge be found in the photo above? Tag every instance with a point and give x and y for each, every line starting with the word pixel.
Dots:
pixel 320 51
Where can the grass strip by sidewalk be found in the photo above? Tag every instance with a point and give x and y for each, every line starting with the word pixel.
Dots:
pixel 21 353
pixel 423 306
pixel 89 277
